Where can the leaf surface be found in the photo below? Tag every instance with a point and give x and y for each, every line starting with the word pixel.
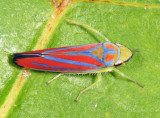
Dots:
pixel 25 26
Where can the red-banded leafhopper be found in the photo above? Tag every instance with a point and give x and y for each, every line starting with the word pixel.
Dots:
pixel 90 58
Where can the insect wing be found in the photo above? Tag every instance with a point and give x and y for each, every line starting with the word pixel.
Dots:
pixel 65 59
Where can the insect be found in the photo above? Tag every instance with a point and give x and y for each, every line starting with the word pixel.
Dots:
pixel 90 58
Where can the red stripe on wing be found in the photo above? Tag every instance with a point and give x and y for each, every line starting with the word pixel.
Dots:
pixel 78 48
pixel 63 49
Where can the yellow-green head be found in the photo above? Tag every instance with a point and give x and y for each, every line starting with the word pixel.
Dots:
pixel 125 54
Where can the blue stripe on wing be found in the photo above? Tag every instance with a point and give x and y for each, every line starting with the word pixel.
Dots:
pixel 39 64
pixel 45 65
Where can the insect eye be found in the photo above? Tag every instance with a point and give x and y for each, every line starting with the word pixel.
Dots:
pixel 118 63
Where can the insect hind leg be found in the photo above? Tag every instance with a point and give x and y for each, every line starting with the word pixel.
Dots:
pixel 127 77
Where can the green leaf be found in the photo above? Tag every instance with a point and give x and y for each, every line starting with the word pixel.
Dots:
pixel 24 24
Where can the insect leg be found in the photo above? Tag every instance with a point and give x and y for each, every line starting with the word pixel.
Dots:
pixel 127 77
pixel 88 28
pixel 48 82
pixel 98 80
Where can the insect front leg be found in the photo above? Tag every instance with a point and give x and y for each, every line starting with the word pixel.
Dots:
pixel 127 77
pixel 98 80
pixel 60 74
pixel 88 28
